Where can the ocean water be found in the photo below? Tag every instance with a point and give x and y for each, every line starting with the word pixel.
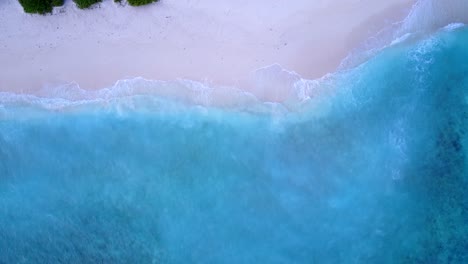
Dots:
pixel 369 167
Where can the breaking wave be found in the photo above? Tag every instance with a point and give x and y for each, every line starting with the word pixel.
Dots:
pixel 367 165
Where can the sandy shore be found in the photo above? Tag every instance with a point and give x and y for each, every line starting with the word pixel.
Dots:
pixel 218 42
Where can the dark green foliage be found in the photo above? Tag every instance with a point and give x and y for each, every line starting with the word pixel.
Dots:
pixel 57 2
pixel 118 1
pixel 140 2
pixel 86 3
pixel 40 6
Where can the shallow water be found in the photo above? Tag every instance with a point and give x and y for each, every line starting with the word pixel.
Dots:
pixel 372 169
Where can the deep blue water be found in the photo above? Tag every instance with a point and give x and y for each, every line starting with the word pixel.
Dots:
pixel 374 172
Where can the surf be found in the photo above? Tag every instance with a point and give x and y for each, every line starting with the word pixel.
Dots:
pixel 364 165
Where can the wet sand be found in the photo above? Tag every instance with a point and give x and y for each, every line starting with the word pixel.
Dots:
pixel 217 42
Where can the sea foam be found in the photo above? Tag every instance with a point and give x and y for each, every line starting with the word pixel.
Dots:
pixel 371 168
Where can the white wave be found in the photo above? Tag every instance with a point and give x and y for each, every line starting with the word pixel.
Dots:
pixel 430 15
pixel 425 17
pixel 453 26
pixel 270 84
pixel 400 39
pixel 267 86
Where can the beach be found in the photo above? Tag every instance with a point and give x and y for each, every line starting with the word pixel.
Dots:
pixel 219 43
pixel 216 131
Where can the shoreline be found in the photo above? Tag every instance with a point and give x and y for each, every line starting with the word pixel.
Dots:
pixel 220 43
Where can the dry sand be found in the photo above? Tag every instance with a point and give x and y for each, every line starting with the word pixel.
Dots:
pixel 213 41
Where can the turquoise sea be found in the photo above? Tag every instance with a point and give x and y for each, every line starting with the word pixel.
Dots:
pixel 372 169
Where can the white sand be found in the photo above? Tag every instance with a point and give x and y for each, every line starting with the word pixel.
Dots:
pixel 215 41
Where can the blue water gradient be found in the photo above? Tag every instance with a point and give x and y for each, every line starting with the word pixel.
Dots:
pixel 375 172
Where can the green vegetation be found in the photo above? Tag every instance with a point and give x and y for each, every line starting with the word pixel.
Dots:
pixel 46 6
pixel 40 6
pixel 86 3
pixel 140 2
pixel 57 2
